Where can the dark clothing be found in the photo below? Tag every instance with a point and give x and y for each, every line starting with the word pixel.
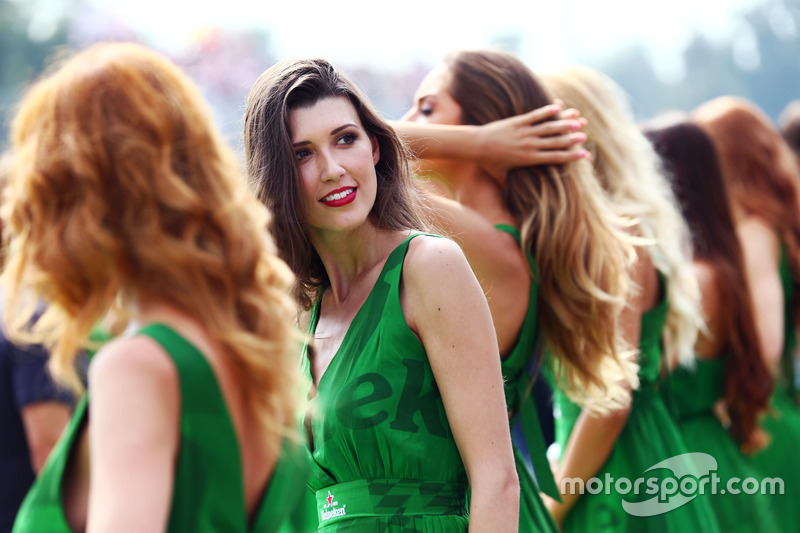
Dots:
pixel 24 380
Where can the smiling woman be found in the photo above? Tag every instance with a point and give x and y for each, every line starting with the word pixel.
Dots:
pixel 405 366
pixel 330 144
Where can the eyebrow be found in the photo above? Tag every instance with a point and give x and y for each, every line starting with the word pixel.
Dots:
pixel 333 132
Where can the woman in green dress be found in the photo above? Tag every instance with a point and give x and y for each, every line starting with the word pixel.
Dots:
pixel 662 320
pixel 541 240
pixel 763 180
pixel 719 402
pixel 123 198
pixel 409 411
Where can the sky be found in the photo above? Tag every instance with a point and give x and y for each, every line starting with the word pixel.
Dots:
pixel 391 34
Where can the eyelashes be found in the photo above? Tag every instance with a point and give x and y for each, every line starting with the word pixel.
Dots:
pixel 346 138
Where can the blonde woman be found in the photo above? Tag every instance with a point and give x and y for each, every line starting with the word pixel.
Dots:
pixel 662 318
pixel 550 255
pixel 123 195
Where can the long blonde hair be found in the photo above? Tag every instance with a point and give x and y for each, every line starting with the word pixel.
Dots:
pixel 581 248
pixel 120 187
pixel 630 171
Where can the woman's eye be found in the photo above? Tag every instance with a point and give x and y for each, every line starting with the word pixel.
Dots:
pixel 347 138
pixel 426 110
pixel 301 154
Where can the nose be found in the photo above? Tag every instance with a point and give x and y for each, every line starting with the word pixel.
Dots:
pixel 330 167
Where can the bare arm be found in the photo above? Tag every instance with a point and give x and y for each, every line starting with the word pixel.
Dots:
pixel 593 437
pixel 133 437
pixel 761 250
pixel 495 259
pixel 499 146
pixel 43 422
pixel 446 308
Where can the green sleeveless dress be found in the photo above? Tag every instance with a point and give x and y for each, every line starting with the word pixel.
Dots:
pixel 208 495
pixel 533 515
pixel 782 422
pixel 649 437
pixel 383 457
pixel 691 396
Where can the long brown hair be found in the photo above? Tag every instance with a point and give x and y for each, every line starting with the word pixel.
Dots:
pixel 121 189
pixel 761 172
pixel 272 168
pixel 581 250
pixel 691 160
pixel 630 171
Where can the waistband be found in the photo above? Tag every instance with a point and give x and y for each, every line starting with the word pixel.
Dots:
pixel 389 497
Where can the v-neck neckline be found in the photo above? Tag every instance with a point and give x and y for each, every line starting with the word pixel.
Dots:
pixel 317 312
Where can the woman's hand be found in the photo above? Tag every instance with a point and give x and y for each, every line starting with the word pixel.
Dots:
pixel 526 140
pixel 557 510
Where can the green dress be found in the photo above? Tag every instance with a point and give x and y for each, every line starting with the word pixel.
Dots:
pixel 649 437
pixel 782 423
pixel 691 396
pixel 533 515
pixel 208 495
pixel 383 458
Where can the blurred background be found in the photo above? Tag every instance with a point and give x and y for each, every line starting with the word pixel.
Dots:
pixel 667 55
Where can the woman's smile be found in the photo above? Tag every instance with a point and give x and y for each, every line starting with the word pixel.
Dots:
pixel 340 197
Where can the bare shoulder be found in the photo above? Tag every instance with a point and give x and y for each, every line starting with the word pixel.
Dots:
pixel 432 260
pixel 131 357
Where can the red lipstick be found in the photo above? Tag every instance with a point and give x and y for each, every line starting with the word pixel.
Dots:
pixel 340 197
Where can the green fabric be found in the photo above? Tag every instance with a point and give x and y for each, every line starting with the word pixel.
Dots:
pixel 208 494
pixel 787 378
pixel 692 395
pixel 782 422
pixel 379 415
pixel 650 436
pixel 533 515
pixel 391 498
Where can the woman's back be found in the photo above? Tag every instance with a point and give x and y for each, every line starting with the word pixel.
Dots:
pixel 212 488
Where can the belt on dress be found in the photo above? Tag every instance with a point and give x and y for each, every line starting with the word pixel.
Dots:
pixel 389 497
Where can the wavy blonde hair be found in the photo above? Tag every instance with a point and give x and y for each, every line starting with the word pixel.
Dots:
pixel 120 187
pixel 629 169
pixel 582 251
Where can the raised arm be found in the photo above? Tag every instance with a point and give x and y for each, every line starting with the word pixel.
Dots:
pixel 133 436
pixel 446 308
pixel 518 141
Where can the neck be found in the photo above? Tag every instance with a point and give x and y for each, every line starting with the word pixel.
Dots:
pixel 476 189
pixel 348 255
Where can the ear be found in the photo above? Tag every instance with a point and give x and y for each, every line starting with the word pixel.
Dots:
pixel 376 150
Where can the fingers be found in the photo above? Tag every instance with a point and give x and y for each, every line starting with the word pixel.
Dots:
pixel 569 113
pixel 560 142
pixel 560 157
pixel 540 114
pixel 557 127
